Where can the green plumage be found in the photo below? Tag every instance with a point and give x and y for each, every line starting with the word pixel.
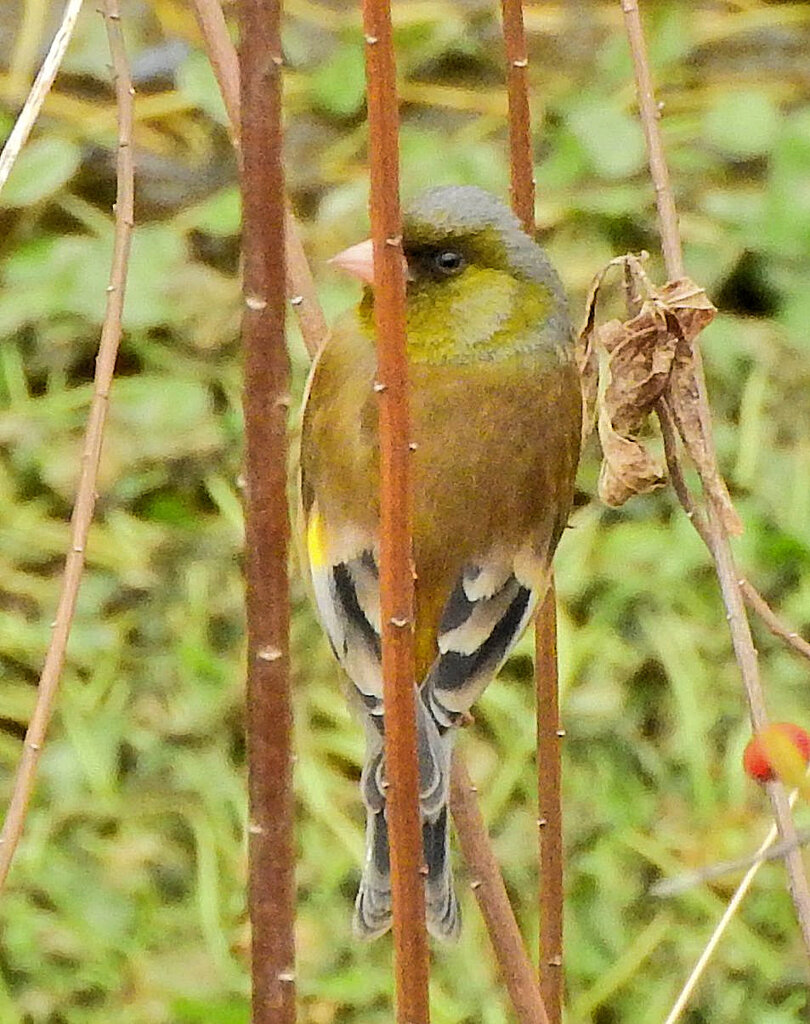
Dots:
pixel 495 419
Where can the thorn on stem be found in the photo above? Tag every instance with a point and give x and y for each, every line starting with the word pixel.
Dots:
pixel 268 654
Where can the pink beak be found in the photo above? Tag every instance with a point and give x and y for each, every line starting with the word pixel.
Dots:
pixel 359 261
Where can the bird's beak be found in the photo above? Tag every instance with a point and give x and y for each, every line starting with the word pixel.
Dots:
pixel 359 261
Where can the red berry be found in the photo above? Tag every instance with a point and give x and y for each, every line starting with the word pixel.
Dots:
pixel 756 761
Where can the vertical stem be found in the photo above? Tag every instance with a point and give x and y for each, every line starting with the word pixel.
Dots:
pixel 266 401
pixel 396 568
pixel 545 664
pixel 719 542
pixel 549 807
pixel 520 137
pixel 659 172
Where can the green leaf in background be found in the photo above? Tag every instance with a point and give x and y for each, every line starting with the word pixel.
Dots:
pixel 42 168
pixel 158 253
pixel 220 215
pixel 204 1011
pixel 611 139
pixel 339 85
pixel 743 124
pixel 785 229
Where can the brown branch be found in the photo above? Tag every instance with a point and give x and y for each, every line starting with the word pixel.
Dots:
pixel 650 114
pixel 91 452
pixel 520 137
pixel 224 59
pixel 516 969
pixel 266 402
pixel 711 481
pixel 396 568
pixel 549 800
pixel 521 175
pixel 225 63
pixel 757 603
pixel 752 597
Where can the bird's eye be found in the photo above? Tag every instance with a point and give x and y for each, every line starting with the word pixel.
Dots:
pixel 448 261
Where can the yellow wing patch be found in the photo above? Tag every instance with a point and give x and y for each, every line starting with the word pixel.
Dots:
pixel 316 540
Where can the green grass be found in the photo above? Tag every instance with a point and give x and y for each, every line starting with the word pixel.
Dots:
pixel 126 901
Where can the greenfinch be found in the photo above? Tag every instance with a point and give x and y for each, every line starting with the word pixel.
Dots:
pixel 495 408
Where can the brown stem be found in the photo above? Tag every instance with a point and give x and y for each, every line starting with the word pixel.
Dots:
pixel 91 452
pixel 224 59
pixel 716 504
pixel 300 285
pixel 752 597
pixel 757 603
pixel 396 568
pixel 549 803
pixel 266 403
pixel 516 968
pixel 545 663
pixel 650 113
pixel 520 136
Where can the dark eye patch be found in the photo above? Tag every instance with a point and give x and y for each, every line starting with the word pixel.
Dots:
pixel 449 261
pixel 435 263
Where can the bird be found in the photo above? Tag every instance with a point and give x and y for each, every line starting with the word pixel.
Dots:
pixel 495 420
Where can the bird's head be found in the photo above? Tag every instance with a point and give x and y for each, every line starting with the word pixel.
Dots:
pixel 478 287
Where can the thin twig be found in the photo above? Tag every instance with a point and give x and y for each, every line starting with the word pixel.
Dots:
pixel 549 807
pixel 86 491
pixel 396 567
pixel 224 60
pixel 682 883
pixel 734 904
pixel 301 290
pixel 755 601
pixel 39 90
pixel 266 404
pixel 516 968
pixel 650 113
pixel 720 545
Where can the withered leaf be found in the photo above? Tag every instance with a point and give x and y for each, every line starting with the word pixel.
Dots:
pixel 627 467
pixel 646 357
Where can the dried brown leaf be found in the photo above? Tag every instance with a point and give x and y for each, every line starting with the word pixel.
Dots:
pixel 627 468
pixel 588 358
pixel 649 356
pixel 640 354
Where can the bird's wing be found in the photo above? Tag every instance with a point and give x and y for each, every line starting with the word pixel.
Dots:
pixel 345 581
pixel 485 615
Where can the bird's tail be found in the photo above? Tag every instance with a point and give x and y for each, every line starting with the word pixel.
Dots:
pixel 372 914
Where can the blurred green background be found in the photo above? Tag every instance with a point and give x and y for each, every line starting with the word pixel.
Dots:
pixel 126 901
